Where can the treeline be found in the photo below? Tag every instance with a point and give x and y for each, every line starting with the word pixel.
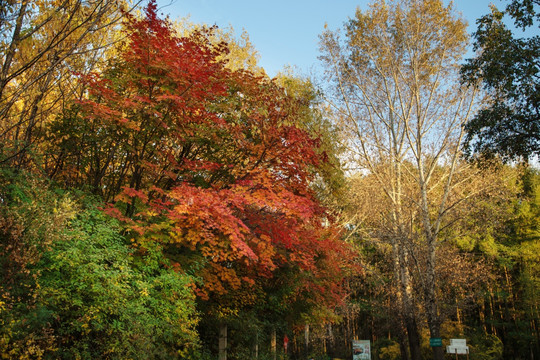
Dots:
pixel 162 198
pixel 487 284
pixel 447 234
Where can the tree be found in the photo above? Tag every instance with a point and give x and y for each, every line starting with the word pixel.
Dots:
pixel 329 184
pixel 241 54
pixel 208 161
pixel 507 68
pixel 42 45
pixel 399 103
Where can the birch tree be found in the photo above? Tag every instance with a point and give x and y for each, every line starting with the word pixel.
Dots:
pixel 397 98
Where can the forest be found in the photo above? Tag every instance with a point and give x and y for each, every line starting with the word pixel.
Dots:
pixel 162 197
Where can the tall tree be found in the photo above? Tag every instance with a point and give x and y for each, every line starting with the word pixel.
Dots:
pixel 42 45
pixel 210 161
pixel 398 100
pixel 506 66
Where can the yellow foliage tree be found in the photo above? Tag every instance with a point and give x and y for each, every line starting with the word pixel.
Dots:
pixel 43 45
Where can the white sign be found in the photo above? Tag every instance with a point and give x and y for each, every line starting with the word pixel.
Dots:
pixel 361 350
pixel 457 350
pixel 457 346
pixel 458 342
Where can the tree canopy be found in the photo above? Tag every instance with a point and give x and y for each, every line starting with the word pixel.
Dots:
pixel 507 68
pixel 161 197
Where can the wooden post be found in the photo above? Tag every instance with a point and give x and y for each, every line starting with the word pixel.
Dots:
pixel 222 342
pixel 306 339
pixel 273 344
pixel 257 345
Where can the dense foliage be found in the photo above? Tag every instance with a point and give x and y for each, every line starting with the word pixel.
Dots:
pixel 203 177
pixel 72 288
pixel 507 68
pixel 162 198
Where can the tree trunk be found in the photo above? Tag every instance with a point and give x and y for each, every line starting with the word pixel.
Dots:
pixel 402 342
pixel 403 349
pixel 331 340
pixel 438 351
pixel 222 342
pixel 413 336
pixel 406 296
pixel 433 318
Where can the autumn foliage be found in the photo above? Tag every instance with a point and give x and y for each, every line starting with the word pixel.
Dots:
pixel 211 163
pixel 159 193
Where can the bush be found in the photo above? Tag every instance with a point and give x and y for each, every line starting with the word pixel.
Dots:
pixel 388 349
pixel 79 292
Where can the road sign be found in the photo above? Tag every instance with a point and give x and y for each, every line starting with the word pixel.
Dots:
pixel 435 342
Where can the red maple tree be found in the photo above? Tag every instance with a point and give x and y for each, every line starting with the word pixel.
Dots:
pixel 210 163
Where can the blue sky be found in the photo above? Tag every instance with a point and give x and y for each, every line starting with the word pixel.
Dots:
pixel 285 32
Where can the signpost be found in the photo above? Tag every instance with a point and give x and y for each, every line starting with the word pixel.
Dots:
pixel 361 350
pixel 458 347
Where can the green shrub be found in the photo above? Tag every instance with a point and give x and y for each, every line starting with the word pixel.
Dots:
pixel 73 289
